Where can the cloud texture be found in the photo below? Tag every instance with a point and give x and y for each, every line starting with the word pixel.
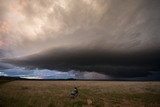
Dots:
pixel 108 36
pixel 31 26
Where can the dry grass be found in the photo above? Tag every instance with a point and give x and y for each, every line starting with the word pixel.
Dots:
pixel 99 93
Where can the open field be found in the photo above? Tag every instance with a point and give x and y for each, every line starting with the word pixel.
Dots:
pixel 27 93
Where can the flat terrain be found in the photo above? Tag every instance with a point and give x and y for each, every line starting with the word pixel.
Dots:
pixel 28 93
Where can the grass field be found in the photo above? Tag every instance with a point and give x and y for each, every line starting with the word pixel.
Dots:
pixel 24 93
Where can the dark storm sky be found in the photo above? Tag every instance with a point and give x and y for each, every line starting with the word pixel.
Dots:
pixel 107 36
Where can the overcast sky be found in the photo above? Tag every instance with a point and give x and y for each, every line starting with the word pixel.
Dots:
pixel 31 26
pixel 82 34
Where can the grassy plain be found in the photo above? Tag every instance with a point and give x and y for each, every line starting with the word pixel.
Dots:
pixel 30 93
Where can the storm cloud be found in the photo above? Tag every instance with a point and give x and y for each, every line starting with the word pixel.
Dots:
pixel 115 37
pixel 28 27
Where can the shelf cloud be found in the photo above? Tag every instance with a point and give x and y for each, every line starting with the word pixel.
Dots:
pixel 115 37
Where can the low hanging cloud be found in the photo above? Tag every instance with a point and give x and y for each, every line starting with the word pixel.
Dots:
pixel 49 74
pixel 13 71
pixel 115 37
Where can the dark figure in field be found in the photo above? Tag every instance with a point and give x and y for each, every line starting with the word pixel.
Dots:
pixel 74 93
